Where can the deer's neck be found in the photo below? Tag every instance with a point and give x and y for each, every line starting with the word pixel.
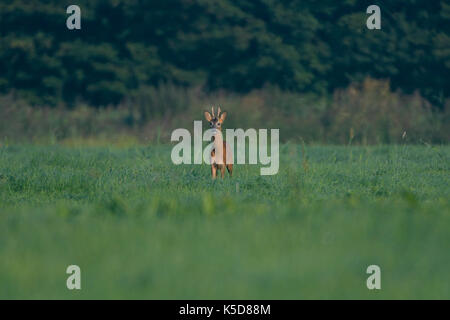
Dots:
pixel 217 138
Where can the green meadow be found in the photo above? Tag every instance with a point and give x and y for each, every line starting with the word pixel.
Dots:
pixel 140 227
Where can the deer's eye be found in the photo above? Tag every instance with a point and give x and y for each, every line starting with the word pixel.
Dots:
pixel 210 124
pixel 218 124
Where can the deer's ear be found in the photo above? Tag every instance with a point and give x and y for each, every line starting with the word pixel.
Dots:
pixel 208 116
pixel 223 115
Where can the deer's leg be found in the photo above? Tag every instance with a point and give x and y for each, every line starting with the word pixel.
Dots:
pixel 213 171
pixel 222 171
pixel 230 169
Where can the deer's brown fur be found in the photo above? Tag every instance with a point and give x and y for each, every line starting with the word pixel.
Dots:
pixel 216 122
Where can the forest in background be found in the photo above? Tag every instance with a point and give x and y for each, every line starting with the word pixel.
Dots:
pixel 310 68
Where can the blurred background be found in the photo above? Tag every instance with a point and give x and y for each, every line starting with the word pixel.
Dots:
pixel 139 69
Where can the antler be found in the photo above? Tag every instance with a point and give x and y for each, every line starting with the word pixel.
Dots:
pixel 218 112
pixel 212 112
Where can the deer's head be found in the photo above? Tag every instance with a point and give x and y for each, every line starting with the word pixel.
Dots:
pixel 215 122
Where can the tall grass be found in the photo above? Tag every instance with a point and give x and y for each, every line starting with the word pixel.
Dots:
pixel 365 113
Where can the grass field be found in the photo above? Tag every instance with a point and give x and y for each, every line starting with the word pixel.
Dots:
pixel 140 227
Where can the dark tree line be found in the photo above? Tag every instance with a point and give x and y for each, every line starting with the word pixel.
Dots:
pixel 301 46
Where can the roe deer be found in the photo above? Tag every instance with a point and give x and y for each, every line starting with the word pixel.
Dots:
pixel 221 153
